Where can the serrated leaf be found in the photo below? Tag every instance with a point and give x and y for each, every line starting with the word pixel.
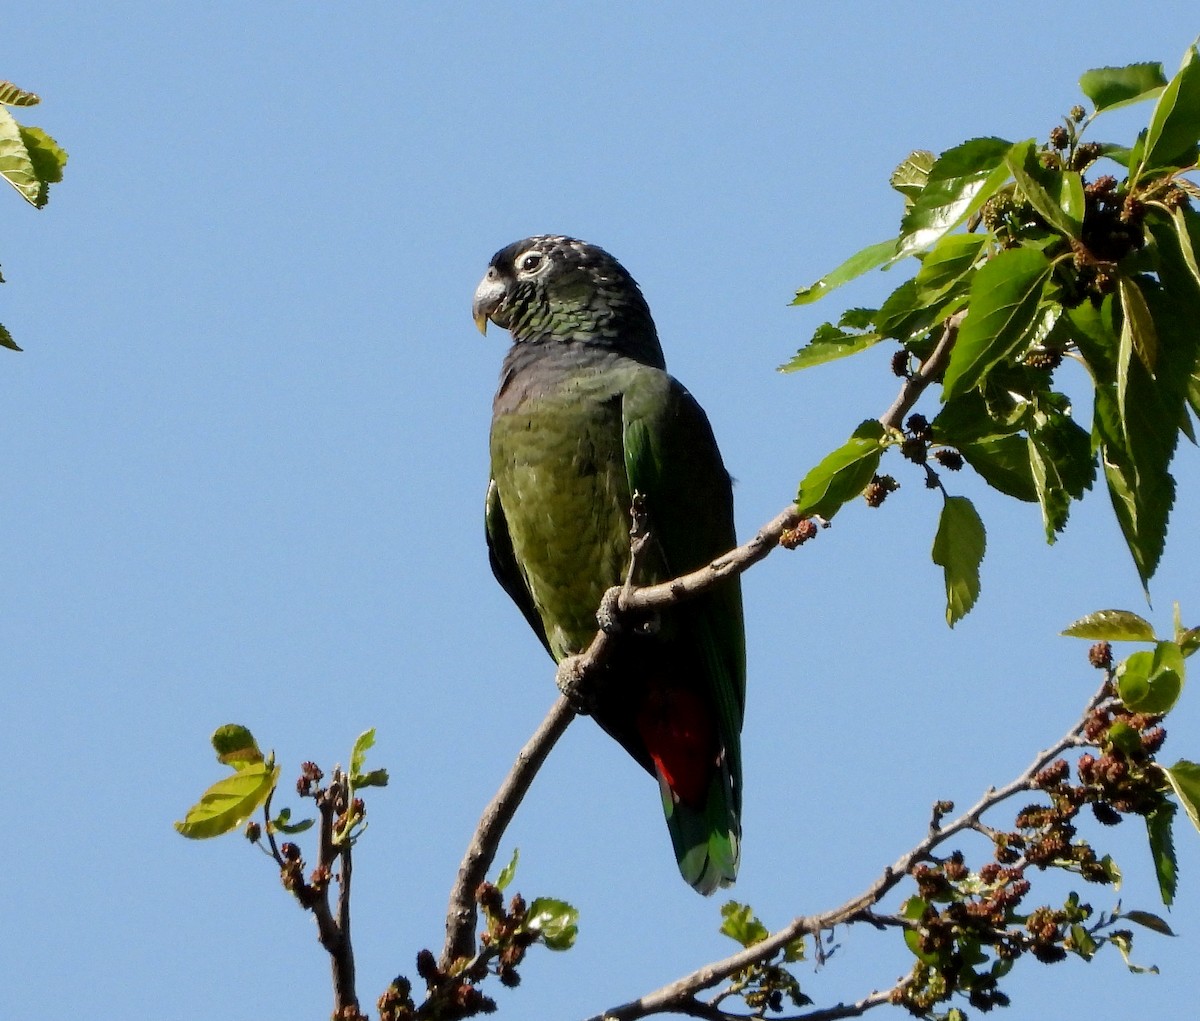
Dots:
pixel 1003 463
pixel 358 755
pixel 16 166
pixel 961 180
pixel 829 343
pixel 948 261
pixel 10 95
pixel 911 175
pixel 6 340
pixel 858 264
pixel 1175 123
pixel 1004 315
pixel 1111 626
pixel 741 924
pixel 842 474
pixel 1082 942
pixel 235 746
pixel 1138 323
pixel 229 802
pixel 1184 778
pixel 47 157
pixel 958 549
pixel 1159 824
pixel 555 921
pixel 1108 87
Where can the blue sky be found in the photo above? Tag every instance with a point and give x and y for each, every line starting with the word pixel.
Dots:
pixel 245 455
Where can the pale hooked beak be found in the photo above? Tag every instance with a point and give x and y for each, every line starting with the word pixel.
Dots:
pixel 488 296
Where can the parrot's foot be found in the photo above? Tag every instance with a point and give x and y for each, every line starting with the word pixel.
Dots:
pixel 608 616
pixel 615 621
pixel 576 687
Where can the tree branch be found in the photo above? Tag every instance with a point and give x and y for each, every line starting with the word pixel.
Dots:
pixel 680 996
pixel 931 369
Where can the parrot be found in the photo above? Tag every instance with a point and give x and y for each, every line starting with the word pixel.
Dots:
pixel 585 417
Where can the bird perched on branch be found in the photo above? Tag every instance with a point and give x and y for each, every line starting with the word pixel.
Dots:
pixel 585 417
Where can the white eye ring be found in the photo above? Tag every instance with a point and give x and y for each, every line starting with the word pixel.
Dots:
pixel 529 262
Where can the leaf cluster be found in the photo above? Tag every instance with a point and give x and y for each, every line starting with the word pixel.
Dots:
pixel 1032 256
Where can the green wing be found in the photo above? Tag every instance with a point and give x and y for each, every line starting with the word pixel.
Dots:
pixel 504 564
pixel 671 458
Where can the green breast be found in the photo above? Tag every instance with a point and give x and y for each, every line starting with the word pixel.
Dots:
pixel 558 464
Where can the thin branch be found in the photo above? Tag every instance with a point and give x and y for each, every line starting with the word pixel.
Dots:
pixel 461 914
pixel 680 995
pixel 930 370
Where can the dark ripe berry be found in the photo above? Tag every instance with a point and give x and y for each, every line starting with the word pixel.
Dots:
pixel 1059 137
pixel 253 832
pixel 1043 359
pixel 1100 655
pixel 1048 953
pixel 427 965
pixel 1105 814
pixel 290 852
pixel 900 365
pixel 509 978
pixel 915 449
pixel 951 460
pixel 918 425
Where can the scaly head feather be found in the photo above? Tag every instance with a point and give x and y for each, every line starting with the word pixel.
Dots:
pixel 551 288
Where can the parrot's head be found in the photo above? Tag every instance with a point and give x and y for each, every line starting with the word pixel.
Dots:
pixel 550 287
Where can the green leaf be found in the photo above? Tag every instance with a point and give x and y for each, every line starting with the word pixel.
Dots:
pixel 911 175
pixel 741 924
pixel 842 474
pixel 555 921
pixel 1062 465
pixel 1046 189
pixel 358 755
pixel 829 343
pixel 858 264
pixel 907 313
pixel 282 823
pixel 1162 850
pixel 1148 921
pixel 1135 456
pixel 1137 324
pixel 1108 87
pixel 16 165
pixel 509 870
pixel 961 180
pixel 1175 123
pixel 7 341
pixel 1151 681
pixel 1111 626
pixel 958 549
pixel 1003 463
pixel 1082 942
pixel 1004 315
pixel 229 802
pixel 47 157
pixel 235 746
pixel 10 95
pixel 1184 778
pixel 948 261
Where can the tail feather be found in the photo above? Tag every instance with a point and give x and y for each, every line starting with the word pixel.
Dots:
pixel 707 839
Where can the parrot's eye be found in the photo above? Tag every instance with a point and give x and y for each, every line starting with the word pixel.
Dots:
pixel 529 262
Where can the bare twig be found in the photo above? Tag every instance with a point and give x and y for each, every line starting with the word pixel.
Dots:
pixel 680 996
